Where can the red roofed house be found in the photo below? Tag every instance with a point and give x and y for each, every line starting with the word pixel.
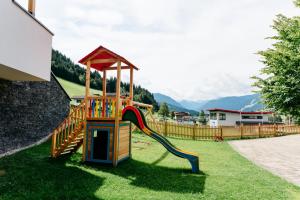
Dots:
pixel 222 117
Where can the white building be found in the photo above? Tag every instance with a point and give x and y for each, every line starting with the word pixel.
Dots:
pixel 222 117
pixel 26 44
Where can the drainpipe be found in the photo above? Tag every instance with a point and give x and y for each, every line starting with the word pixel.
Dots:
pixel 31 7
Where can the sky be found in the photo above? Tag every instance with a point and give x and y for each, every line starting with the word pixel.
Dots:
pixel 187 49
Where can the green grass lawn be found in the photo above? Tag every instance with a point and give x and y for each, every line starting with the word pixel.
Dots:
pixel 152 173
pixel 74 89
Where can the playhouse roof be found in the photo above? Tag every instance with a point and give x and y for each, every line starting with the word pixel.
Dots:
pixel 240 112
pixel 102 58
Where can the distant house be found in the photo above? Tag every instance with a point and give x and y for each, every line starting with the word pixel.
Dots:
pixel 222 117
pixel 182 116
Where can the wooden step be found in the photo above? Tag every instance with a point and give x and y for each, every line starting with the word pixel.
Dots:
pixel 69 148
pixel 72 145
pixel 65 152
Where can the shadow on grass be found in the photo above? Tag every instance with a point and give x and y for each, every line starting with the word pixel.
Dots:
pixel 155 177
pixel 163 156
pixel 33 175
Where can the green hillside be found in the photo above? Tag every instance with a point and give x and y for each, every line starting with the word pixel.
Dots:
pixel 74 89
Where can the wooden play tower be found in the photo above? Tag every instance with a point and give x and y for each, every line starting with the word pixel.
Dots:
pixel 102 124
pixel 96 123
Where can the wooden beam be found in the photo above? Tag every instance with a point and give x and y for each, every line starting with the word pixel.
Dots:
pixel 104 84
pixel 117 118
pixel 87 93
pixel 116 68
pixel 87 79
pixel 104 93
pixel 31 7
pixel 131 86
pixel 99 61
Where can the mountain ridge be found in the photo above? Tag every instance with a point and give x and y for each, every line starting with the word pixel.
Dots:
pixel 250 102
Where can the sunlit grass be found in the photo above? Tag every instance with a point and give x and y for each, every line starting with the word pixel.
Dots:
pixel 152 173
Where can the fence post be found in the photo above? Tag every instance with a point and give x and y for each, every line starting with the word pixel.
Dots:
pixel 53 148
pixel 221 132
pixel 194 131
pixel 166 128
pixel 241 127
pixel 275 130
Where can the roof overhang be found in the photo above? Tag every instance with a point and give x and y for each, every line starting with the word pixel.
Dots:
pixel 104 59
pixel 239 112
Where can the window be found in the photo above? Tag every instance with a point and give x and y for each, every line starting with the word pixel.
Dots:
pixel 248 117
pixel 222 116
pixel 213 116
pixel 251 117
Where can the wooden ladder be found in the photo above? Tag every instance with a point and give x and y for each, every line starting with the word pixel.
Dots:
pixel 68 136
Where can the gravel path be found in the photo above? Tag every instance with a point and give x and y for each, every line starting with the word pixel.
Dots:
pixel 279 155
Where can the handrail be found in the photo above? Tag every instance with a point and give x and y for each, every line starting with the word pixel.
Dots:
pixel 68 130
pixel 135 103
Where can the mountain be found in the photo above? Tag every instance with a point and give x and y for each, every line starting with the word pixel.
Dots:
pixel 160 98
pixel 192 105
pixel 244 103
pixel 172 103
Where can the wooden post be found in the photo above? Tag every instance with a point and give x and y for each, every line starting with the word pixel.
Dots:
pixel 131 86
pixel 104 94
pixel 241 127
pixel 259 130
pixel 87 94
pixel 221 133
pixel 166 128
pixel 194 131
pixel 31 7
pixel 117 117
pixel 275 130
pixel 53 143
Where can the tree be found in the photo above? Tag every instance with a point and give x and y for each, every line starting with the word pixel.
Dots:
pixel 172 115
pixel 202 118
pixel 164 110
pixel 279 84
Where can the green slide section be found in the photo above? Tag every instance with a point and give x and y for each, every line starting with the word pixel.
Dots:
pixel 137 117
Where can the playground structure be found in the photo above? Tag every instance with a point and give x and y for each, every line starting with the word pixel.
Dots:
pixel 102 124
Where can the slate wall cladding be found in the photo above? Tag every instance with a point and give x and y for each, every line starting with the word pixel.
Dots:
pixel 29 111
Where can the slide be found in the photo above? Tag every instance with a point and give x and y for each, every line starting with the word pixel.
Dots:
pixel 137 117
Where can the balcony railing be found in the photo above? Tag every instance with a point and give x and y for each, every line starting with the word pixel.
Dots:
pixel 100 108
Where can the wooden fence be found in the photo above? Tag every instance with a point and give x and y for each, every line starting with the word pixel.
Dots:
pixel 197 132
pixel 194 132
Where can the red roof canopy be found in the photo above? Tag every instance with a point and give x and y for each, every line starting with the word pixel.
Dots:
pixel 105 59
pixel 239 112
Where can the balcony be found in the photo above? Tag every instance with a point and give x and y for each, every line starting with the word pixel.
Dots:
pixel 26 44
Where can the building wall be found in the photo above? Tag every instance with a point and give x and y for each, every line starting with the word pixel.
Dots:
pixel 29 111
pixel 232 118
pixel 25 47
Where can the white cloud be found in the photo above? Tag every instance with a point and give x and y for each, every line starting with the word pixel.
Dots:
pixel 187 49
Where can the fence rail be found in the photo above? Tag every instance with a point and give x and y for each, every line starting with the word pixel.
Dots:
pixel 197 132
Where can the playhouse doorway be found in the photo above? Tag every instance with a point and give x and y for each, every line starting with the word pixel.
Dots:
pixel 100 144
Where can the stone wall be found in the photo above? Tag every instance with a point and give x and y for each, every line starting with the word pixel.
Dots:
pixel 29 111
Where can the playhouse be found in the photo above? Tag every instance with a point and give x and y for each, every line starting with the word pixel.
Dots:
pixel 107 138
pixel 102 124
